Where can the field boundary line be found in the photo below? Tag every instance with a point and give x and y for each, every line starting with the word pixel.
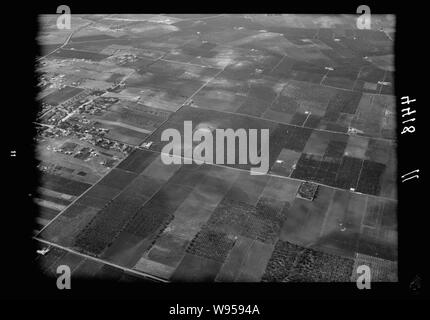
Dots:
pixel 272 175
pixel 101 260
pixel 288 124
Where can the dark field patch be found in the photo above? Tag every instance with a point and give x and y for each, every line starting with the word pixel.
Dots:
pixel 234 217
pixel 88 201
pixel 211 244
pixel 348 173
pixel 343 101
pixel 168 198
pixel 196 269
pixel 296 138
pixel 102 192
pixel 188 175
pixel 389 215
pixel 307 167
pixel 148 224
pixel 63 185
pixel 106 225
pixel 370 178
pixel 292 263
pixel 117 178
pixel 379 150
pixel 335 149
pixel 281 262
pixel 143 187
pixel 61 95
pixel 47 213
pixel 312 121
pixel 317 266
pixel 137 161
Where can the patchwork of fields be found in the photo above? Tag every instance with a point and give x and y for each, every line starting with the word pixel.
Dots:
pixel 323 93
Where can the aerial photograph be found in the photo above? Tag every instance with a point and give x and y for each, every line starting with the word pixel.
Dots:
pixel 216 148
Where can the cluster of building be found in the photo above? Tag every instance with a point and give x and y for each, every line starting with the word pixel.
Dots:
pixel 124 58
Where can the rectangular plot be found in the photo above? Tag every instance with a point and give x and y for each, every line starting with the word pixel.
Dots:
pixel 188 175
pixel 127 249
pixel 348 173
pixel 297 138
pixel 316 266
pixel 104 227
pixel 211 244
pixel 168 249
pixel 102 191
pixel 159 170
pixel 305 219
pixel 281 189
pixel 370 178
pixel 253 267
pixel 373 213
pixel 389 215
pixel 137 161
pixel 142 187
pixel 61 95
pixel 285 162
pixel 154 268
pixel 299 119
pixel 317 143
pixel 253 107
pixel 63 185
pixel 277 116
pixel 357 147
pixel 196 269
pixel 335 149
pixel 88 201
pixel 148 224
pixel 312 121
pixel 372 244
pixel 233 217
pixel 117 178
pixel 379 150
pixel 47 213
pixel 231 267
pixel 168 198
pixel 381 270
pixel 269 213
pixel 344 101
pixel 281 261
pixel 247 188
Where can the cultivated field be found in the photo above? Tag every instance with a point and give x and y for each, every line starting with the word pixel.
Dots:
pixel 323 89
